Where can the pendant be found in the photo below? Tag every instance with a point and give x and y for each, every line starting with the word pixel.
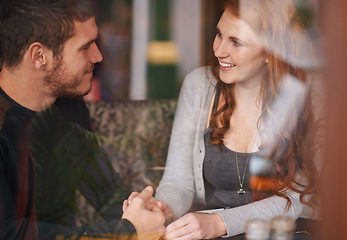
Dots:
pixel 241 191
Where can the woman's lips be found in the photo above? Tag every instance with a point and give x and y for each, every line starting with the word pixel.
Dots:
pixel 226 65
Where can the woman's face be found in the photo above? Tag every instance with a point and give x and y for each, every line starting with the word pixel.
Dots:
pixel 238 50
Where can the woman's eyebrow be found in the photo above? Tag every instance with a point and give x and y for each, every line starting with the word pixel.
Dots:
pixel 231 37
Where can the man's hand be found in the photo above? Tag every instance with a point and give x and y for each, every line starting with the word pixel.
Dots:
pixel 169 215
pixel 148 220
pixel 196 226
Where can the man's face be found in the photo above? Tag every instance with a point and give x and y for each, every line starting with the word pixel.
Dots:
pixel 72 71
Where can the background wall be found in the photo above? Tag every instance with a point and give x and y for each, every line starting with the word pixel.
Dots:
pixel 127 29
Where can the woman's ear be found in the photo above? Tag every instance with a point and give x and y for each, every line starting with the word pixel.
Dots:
pixel 39 55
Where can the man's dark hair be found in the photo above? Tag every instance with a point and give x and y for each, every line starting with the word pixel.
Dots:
pixel 50 22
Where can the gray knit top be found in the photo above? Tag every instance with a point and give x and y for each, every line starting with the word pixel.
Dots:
pixel 221 176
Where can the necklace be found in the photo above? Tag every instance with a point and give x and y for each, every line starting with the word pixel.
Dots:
pixel 241 182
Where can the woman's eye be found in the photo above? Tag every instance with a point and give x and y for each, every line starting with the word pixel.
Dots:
pixel 219 34
pixel 236 43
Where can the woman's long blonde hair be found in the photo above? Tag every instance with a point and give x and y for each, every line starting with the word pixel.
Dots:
pixel 282 34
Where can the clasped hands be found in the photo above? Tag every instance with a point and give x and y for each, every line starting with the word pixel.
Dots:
pixel 158 214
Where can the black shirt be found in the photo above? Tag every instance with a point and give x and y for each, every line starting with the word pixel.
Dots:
pixel 68 158
pixel 17 186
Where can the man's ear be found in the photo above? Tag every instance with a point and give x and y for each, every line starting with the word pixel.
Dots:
pixel 39 55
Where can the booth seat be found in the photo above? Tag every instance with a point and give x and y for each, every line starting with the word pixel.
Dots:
pixel 135 137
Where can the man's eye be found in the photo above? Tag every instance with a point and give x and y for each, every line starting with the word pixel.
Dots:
pixel 86 47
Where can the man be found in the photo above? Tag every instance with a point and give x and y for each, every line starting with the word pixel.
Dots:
pixel 48 50
pixel 67 159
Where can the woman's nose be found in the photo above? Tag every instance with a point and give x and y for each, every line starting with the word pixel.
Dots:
pixel 219 47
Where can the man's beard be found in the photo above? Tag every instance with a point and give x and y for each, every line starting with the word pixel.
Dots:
pixel 61 83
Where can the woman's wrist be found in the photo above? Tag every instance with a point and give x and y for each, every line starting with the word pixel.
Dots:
pixel 219 225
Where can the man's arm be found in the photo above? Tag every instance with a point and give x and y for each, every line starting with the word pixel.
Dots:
pixel 140 221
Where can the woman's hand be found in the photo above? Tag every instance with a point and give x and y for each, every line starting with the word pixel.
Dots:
pixel 169 215
pixel 196 226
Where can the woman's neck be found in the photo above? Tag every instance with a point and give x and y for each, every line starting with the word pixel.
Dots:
pixel 247 95
pixel 244 118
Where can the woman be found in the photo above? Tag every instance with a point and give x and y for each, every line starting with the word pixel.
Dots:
pixel 219 126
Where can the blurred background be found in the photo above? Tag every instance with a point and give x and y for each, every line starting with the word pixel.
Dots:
pixel 150 45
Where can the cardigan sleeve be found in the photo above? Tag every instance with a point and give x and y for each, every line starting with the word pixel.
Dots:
pixel 177 186
pixel 235 218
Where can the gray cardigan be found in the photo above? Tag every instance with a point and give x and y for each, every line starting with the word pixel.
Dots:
pixel 183 183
